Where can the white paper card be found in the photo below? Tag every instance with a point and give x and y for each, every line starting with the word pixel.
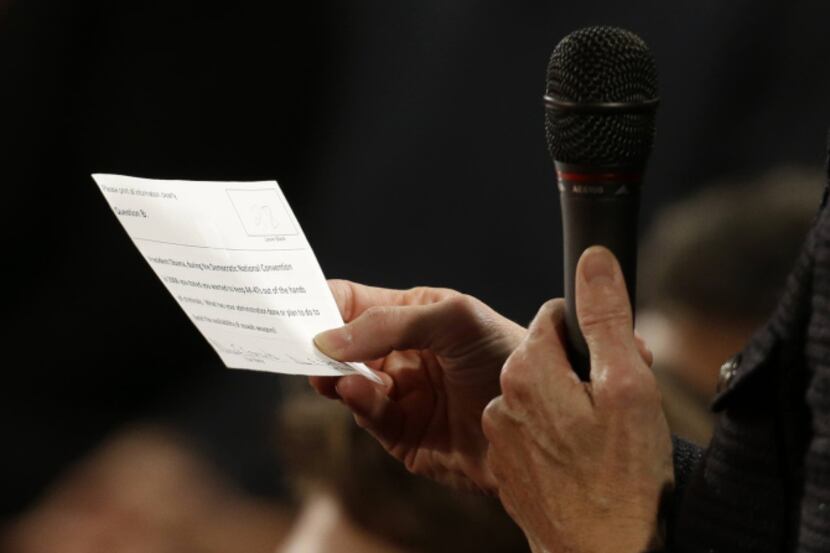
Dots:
pixel 234 257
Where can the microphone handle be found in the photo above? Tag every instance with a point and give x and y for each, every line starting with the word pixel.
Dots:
pixel 598 209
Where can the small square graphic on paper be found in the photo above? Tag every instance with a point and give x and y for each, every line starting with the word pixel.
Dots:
pixel 262 212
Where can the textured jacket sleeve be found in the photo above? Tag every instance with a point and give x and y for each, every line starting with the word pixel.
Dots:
pixel 686 457
pixel 814 525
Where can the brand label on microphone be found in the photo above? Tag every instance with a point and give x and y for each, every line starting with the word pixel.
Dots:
pixel 583 188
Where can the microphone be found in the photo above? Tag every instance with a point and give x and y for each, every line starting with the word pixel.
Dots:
pixel 600 105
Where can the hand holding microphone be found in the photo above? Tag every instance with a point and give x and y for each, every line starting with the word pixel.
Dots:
pixel 582 466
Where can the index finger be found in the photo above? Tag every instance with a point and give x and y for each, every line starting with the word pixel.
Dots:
pixel 540 364
pixel 353 298
pixel 546 335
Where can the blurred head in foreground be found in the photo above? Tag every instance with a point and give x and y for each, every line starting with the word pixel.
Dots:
pixel 712 268
pixel 356 497
pixel 146 490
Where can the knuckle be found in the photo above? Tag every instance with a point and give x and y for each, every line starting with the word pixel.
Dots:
pixel 623 391
pixel 546 311
pixel 519 358
pixel 490 418
pixel 599 320
pixel 462 311
pixel 460 305
pixel 545 318
pixel 512 379
pixel 441 293
pixel 387 321
pixel 549 307
pixel 422 295
pixel 376 314
pixel 629 387
pixel 344 296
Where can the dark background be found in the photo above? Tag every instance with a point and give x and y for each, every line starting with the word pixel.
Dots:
pixel 407 135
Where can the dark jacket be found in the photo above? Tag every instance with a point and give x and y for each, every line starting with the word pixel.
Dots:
pixel 764 482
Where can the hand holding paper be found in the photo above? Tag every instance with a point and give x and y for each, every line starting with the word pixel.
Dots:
pixel 440 355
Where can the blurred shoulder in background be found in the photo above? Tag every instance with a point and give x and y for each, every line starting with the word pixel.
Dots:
pixel 711 270
pixel 354 496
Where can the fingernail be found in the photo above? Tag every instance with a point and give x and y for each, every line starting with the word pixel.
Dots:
pixel 598 266
pixel 332 342
pixel 388 383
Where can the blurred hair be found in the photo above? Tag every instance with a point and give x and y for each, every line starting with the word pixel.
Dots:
pixel 324 448
pixel 725 253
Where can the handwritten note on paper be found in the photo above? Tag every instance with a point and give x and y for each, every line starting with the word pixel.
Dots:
pixel 234 257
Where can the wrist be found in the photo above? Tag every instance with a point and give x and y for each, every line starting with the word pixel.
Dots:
pixel 600 536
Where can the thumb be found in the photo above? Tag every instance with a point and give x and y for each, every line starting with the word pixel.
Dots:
pixel 604 312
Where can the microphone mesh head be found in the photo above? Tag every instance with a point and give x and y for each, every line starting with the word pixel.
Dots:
pixel 601 64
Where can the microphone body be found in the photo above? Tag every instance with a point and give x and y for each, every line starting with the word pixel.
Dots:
pixel 600 104
pixel 599 208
